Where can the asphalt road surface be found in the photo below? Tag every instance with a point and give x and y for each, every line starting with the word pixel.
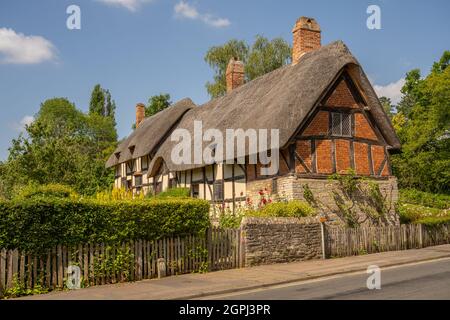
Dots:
pixel 425 280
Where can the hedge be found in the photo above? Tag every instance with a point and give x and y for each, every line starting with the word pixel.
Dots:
pixel 426 199
pixel 35 225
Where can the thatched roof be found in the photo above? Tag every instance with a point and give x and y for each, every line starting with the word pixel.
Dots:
pixel 281 99
pixel 150 133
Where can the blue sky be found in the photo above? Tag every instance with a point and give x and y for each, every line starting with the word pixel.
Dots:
pixel 138 48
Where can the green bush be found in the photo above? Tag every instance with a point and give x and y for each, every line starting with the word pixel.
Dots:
pixel 36 224
pixel 412 213
pixel 47 191
pixel 293 208
pixel 174 193
pixel 426 199
pixel 434 221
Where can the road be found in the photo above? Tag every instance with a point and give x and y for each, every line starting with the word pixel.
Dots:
pixel 425 280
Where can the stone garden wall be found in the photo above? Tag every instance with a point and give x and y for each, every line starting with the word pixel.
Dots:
pixel 280 240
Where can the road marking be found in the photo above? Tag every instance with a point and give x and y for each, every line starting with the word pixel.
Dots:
pixel 320 279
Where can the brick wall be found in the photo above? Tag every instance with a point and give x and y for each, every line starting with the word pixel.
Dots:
pixel 378 156
pixel 319 125
pixel 280 240
pixel 363 128
pixel 361 158
pixel 304 151
pixel 324 160
pixel 304 41
pixel 342 97
pixel 343 162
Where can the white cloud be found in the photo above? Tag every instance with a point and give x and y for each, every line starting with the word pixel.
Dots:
pixel 18 48
pixel 391 90
pixel 25 121
pixel 131 5
pixel 185 10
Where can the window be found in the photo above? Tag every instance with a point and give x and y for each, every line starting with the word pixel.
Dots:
pixel 144 163
pixel 195 190
pixel 158 187
pixel 130 166
pixel 129 185
pixel 341 124
pixel 138 181
pixel 118 173
pixel 218 191
pixel 173 183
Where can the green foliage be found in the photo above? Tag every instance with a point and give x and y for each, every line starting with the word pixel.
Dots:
pixel 61 146
pixel 34 225
pixel 412 213
pixel 387 106
pixel 267 55
pixel 230 220
pixel 434 221
pixel 423 124
pixel 101 103
pixel 262 57
pixel 117 194
pixel 120 263
pixel 18 289
pixel 294 209
pixel 426 199
pixel 309 196
pixel 157 103
pixel 174 193
pixel 47 191
pixel 359 194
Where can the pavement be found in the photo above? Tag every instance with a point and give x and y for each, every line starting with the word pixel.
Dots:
pixel 419 281
pixel 196 286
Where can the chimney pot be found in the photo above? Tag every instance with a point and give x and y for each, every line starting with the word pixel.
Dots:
pixel 234 74
pixel 307 37
pixel 140 113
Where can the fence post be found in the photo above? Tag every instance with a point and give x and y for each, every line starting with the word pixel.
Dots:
pixel 420 236
pixel 209 247
pixel 322 231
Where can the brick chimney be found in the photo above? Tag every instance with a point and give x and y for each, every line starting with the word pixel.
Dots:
pixel 307 37
pixel 234 74
pixel 140 113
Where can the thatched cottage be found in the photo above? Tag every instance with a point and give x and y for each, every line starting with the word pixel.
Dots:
pixel 328 116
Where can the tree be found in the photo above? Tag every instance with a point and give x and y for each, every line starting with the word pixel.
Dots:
pixel 423 123
pixel 262 57
pixel 157 103
pixel 387 106
pixel 266 56
pixel 101 102
pixel 63 145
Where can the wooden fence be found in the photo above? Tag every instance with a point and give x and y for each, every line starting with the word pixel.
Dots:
pixel 342 242
pixel 135 260
pixel 218 249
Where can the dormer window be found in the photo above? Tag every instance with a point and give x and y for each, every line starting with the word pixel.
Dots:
pixel 341 124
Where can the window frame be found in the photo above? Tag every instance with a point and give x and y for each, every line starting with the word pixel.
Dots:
pixel 146 158
pixel 218 188
pixel 341 117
